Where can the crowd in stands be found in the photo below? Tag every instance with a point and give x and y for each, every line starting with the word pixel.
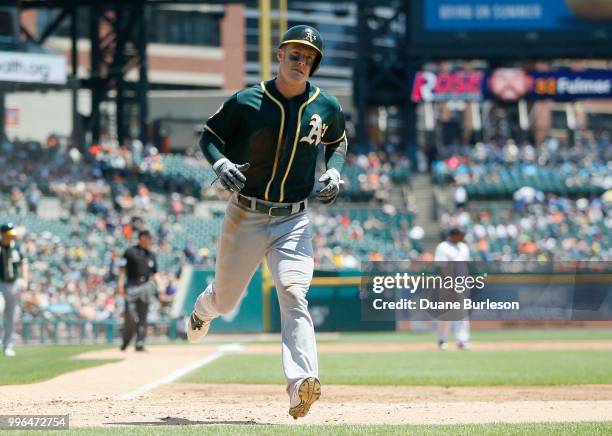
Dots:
pixel 492 170
pixel 103 195
pixel 551 229
pixel 346 236
pixel 561 197
pixel 74 244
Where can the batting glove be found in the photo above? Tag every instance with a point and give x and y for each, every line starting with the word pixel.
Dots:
pixel 331 180
pixel 230 175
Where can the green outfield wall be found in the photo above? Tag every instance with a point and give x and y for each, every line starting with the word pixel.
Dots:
pixel 333 303
pixel 247 317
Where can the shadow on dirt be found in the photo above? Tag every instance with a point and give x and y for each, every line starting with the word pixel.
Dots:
pixel 169 420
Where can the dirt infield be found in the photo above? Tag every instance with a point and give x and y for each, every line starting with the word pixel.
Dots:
pixel 92 396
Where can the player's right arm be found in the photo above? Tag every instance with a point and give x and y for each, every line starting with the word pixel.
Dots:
pixel 219 130
pixel 216 136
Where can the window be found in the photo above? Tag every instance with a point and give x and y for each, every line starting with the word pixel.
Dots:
pixel 599 122
pixel 46 17
pixel 185 27
pixel 8 23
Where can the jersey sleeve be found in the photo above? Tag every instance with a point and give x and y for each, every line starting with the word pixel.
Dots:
pixel 336 132
pixel 334 140
pixel 219 129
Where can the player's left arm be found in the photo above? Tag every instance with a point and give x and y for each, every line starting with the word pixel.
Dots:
pixel 334 141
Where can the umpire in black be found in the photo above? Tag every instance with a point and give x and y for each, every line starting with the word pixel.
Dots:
pixel 137 282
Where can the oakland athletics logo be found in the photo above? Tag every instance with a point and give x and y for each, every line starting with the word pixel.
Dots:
pixel 310 36
pixel 317 131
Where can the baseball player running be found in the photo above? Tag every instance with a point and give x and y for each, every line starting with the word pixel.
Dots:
pixel 262 144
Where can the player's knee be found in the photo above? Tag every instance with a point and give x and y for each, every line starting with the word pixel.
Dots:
pixel 294 295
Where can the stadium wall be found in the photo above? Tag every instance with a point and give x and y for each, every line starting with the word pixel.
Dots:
pixel 36 115
pixel 335 305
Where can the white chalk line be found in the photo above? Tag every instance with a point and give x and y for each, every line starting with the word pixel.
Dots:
pixel 175 375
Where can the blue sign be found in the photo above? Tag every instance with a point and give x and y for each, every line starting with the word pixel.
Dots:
pixel 512 84
pixel 505 15
pixel 570 86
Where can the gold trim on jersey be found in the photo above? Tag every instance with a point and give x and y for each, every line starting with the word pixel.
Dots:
pixel 337 140
pixel 213 132
pixel 295 142
pixel 278 141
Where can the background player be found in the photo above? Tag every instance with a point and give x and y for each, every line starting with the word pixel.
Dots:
pixel 276 127
pixel 454 250
pixel 13 278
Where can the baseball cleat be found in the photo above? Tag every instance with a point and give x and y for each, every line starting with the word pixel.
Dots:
pixel 442 345
pixel 196 328
pixel 308 392
pixel 464 346
pixel 9 352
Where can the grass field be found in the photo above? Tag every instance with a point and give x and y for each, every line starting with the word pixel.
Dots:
pixel 479 336
pixel 34 364
pixel 553 429
pixel 417 366
pixel 477 368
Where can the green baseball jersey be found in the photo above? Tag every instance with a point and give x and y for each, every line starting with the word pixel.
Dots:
pixel 11 260
pixel 278 137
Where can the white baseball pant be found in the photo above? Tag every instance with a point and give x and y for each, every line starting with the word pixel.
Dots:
pixel 286 243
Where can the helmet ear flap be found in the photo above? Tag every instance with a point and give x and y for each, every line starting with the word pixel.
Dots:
pixel 315 65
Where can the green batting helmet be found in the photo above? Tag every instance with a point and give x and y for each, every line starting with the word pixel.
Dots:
pixel 308 36
pixel 8 228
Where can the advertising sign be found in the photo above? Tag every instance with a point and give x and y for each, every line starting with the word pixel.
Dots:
pixel 511 28
pixel 568 86
pixel 511 85
pixel 444 86
pixel 479 15
pixel 508 84
pixel 32 68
